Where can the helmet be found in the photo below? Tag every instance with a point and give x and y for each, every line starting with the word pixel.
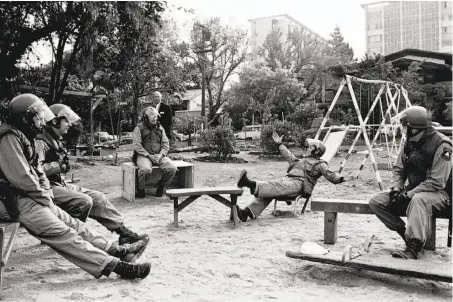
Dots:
pixel 29 104
pixel 63 111
pixel 415 117
pixel 317 144
pixel 150 111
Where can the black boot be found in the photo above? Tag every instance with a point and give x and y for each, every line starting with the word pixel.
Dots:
pixel 244 181
pixel 244 214
pixel 140 193
pixel 159 191
pixel 131 252
pixel 132 270
pixel 413 247
pixel 127 236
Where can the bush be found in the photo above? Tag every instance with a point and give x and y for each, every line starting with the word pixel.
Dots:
pixel 219 141
pixel 287 129
pixel 304 114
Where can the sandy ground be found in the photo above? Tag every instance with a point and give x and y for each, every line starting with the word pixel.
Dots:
pixel 206 259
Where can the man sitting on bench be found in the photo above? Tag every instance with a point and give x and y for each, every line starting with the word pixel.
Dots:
pixel 301 178
pixel 151 146
pixel 424 163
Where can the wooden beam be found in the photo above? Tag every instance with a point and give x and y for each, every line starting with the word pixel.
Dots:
pixel 204 191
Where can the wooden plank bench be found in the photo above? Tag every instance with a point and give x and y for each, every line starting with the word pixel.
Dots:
pixel 184 178
pixel 214 192
pixel 331 208
pixel 6 246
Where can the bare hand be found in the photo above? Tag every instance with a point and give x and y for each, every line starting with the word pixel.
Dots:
pixel 277 139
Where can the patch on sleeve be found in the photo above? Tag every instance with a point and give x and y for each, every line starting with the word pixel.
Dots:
pixel 446 154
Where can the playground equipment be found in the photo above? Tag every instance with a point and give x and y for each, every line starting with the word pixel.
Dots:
pixel 393 102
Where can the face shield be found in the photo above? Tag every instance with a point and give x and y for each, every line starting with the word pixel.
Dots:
pixel 70 115
pixel 151 115
pixel 315 145
pixel 42 111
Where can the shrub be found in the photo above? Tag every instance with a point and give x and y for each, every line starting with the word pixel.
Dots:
pixel 287 129
pixel 304 114
pixel 219 141
pixel 187 126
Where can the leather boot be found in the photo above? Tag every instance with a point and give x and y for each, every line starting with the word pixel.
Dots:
pixel 159 191
pixel 132 270
pixel 131 252
pixel 244 214
pixel 244 181
pixel 413 247
pixel 140 193
pixel 127 236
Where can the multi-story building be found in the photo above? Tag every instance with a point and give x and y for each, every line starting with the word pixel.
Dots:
pixel 260 28
pixel 392 26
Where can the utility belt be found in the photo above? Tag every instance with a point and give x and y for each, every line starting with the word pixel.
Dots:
pixel 8 195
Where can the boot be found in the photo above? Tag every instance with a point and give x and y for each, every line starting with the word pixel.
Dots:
pixel 413 247
pixel 132 270
pixel 159 191
pixel 244 214
pixel 244 181
pixel 127 236
pixel 131 252
pixel 140 193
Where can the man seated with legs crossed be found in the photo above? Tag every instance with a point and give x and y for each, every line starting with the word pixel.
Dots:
pixel 301 178
pixel 79 202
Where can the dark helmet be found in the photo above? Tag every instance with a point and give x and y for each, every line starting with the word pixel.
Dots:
pixel 28 105
pixel 415 117
pixel 63 111
pixel 317 144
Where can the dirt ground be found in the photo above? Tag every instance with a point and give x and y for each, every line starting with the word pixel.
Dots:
pixel 206 259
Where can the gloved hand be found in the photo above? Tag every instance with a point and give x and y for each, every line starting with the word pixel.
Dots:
pixel 401 197
pixel 393 192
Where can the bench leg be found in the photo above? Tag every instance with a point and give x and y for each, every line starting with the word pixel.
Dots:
pixel 330 228
pixel 234 210
pixel 430 243
pixel 449 233
pixel 175 213
pixel 275 208
pixel 3 264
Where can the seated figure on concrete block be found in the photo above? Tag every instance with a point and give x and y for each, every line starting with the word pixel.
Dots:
pixel 421 183
pixel 301 178
pixel 77 201
pixel 151 146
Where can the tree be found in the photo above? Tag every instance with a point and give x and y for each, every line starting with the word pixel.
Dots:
pixel 262 89
pixel 302 53
pixel 338 49
pixel 228 50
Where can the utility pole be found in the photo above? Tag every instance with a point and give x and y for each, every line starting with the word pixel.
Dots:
pixel 201 49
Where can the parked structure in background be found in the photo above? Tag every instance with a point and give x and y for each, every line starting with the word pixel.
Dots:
pixel 260 28
pixel 392 26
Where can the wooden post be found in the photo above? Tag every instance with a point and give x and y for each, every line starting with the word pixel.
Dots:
pixel 234 209
pixel 430 243
pixel 330 228
pixel 175 211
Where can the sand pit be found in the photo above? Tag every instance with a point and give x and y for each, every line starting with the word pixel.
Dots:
pixel 206 259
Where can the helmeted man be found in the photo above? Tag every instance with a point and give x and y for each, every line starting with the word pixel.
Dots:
pixel 301 178
pixel 151 146
pixel 26 196
pixel 78 202
pixel 421 182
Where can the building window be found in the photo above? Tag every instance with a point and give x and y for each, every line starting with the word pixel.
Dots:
pixel 274 24
pixel 447 4
pixel 446 29
pixel 375 38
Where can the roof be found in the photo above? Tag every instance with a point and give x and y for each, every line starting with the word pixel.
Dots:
pixel 295 21
pixel 447 57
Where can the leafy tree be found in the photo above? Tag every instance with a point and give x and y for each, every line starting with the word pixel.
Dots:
pixel 338 49
pixel 228 50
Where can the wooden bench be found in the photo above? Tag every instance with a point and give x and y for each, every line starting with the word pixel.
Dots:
pixel 184 178
pixel 214 192
pixel 6 246
pixel 331 208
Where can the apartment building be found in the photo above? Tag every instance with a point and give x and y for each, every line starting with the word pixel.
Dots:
pixel 392 26
pixel 260 28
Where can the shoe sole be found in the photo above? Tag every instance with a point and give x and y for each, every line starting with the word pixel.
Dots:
pixel 138 254
pixel 243 172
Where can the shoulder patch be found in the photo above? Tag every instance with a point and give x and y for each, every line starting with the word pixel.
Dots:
pixel 446 154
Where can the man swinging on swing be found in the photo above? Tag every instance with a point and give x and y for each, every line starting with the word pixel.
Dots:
pixel 301 178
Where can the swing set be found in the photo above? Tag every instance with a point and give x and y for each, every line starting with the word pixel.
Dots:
pixel 396 97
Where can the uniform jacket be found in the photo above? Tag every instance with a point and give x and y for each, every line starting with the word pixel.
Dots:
pixel 150 140
pixel 310 169
pixel 424 166
pixel 50 151
pixel 20 167
pixel 165 118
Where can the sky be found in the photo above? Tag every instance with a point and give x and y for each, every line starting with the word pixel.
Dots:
pixel 321 16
